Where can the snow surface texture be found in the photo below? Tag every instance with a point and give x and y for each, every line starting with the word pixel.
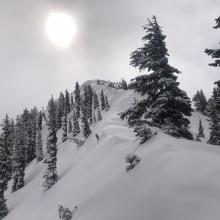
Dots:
pixel 175 180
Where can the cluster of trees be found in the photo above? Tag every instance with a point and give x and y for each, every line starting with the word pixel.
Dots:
pixel 21 141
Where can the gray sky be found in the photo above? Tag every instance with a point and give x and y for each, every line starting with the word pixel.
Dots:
pixel 31 68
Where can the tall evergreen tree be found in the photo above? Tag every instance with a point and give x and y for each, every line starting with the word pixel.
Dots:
pixel 200 101
pixel 19 156
pixel 76 128
pixel 70 127
pixel 166 102
pixel 77 99
pixel 107 106
pixel 213 108
pixel 95 101
pixel 39 145
pixel 214 114
pixel 67 102
pixel 99 116
pixel 7 144
pixel 50 176
pixel 3 179
pixel 215 53
pixel 64 128
pixel 201 129
pixel 86 128
pixel 102 99
pixel 71 101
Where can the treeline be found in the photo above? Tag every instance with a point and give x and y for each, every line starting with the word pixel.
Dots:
pixel 21 140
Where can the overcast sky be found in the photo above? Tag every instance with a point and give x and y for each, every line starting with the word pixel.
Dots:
pixel 31 68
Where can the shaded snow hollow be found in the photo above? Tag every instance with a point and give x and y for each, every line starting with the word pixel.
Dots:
pixel 175 180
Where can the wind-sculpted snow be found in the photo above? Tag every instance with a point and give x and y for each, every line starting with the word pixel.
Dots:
pixel 176 179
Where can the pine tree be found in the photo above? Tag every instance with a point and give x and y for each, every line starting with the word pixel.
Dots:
pixel 19 156
pixel 123 84
pixel 214 114
pixel 102 97
pixel 86 128
pixel 70 127
pixel 64 128
pixel 67 102
pixel 166 102
pixel 71 101
pixel 107 106
pixel 76 128
pixel 50 176
pixel 39 145
pixel 59 116
pixel 7 144
pixel 201 129
pixel 200 101
pixel 94 118
pixel 3 179
pixel 215 53
pixel 213 108
pixel 77 100
pixel 99 116
pixel 95 101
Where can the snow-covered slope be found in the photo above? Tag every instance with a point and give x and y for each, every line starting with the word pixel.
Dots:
pixel 175 180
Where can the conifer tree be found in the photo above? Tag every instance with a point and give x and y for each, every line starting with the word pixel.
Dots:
pixel 102 97
pixel 166 102
pixel 214 114
pixel 94 118
pixel 67 102
pixel 95 101
pixel 50 176
pixel 123 84
pixel 64 128
pixel 77 99
pixel 7 144
pixel 213 108
pixel 19 156
pixel 3 179
pixel 86 128
pixel 71 101
pixel 76 128
pixel 201 129
pixel 61 104
pixel 39 145
pixel 70 127
pixel 200 101
pixel 99 116
pixel 59 116
pixel 107 106
pixel 215 53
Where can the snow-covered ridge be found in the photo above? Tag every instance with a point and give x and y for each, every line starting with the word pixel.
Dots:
pixel 176 179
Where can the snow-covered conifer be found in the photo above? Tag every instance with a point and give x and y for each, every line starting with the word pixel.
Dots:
pixel 39 145
pixel 200 101
pixel 107 106
pixel 167 104
pixel 70 127
pixel 86 128
pixel 3 179
pixel 50 176
pixel 77 100
pixel 64 128
pixel 99 116
pixel 76 128
pixel 19 156
pixel 102 99
pixel 215 53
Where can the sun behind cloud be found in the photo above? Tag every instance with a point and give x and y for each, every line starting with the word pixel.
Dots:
pixel 61 29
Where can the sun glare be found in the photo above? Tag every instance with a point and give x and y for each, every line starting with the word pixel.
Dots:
pixel 61 29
